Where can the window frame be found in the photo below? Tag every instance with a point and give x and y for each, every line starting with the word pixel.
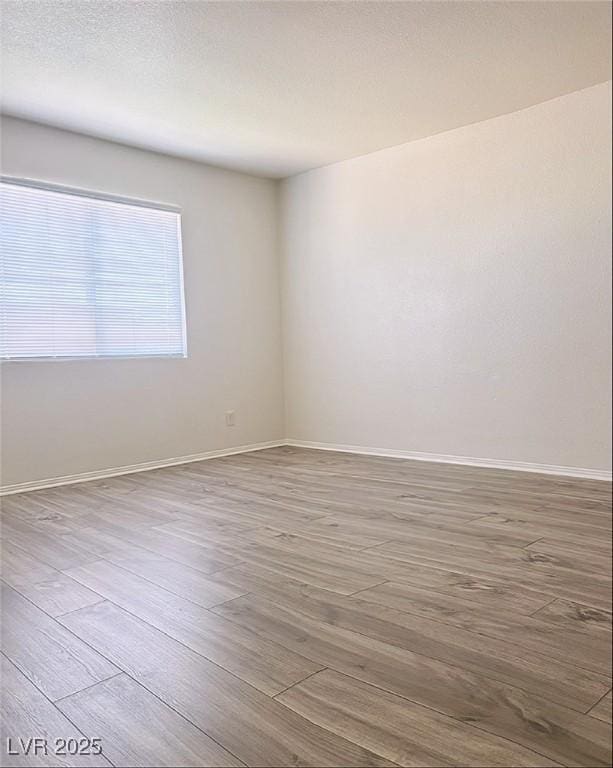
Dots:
pixel 122 200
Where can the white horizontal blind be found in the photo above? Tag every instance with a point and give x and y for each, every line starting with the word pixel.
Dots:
pixel 83 276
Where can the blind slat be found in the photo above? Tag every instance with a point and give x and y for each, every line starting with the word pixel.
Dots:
pixel 88 277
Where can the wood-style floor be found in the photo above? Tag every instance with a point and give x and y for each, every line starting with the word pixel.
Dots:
pixel 292 607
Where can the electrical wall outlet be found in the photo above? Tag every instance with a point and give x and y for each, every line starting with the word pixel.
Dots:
pixel 230 419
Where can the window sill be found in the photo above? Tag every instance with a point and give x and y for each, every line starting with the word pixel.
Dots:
pixel 82 358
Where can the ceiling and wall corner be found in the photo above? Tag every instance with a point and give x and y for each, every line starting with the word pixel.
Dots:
pixel 276 88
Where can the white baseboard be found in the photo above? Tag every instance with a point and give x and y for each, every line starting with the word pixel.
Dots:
pixel 522 466
pixel 83 477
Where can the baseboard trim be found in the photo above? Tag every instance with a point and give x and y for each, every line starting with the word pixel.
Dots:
pixel 84 477
pixel 522 466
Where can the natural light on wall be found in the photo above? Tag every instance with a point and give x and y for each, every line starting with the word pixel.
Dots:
pixel 83 275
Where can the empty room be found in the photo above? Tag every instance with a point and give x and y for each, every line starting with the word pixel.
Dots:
pixel 305 340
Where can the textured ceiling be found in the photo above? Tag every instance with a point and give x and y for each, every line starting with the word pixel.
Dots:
pixel 275 88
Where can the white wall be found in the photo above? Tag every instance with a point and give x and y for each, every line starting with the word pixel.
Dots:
pixel 63 418
pixel 452 295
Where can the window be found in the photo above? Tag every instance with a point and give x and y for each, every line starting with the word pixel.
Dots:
pixel 84 276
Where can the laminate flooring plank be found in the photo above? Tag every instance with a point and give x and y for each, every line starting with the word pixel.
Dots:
pixel 46 547
pixel 575 616
pixel 602 710
pixel 20 568
pixel 553 506
pixel 488 593
pixel 551 730
pixel 198 532
pixel 138 729
pixel 105 539
pixel 330 501
pixel 249 502
pixel 265 665
pixel 343 572
pixel 37 517
pixel 311 494
pixel 330 534
pixel 203 558
pixel 443 594
pixel 427 527
pixel 132 511
pixel 405 733
pixel 523 523
pixel 494 658
pixel 252 726
pixel 53 503
pixel 51 657
pixel 58 594
pixel 592 587
pixel 566 644
pixel 269 503
pixel 255 579
pixel 101 536
pixel 308 539
pixel 512 560
pixel 576 547
pixel 329 568
pixel 215 517
pixel 176 577
pixel 25 713
pixel 281 504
